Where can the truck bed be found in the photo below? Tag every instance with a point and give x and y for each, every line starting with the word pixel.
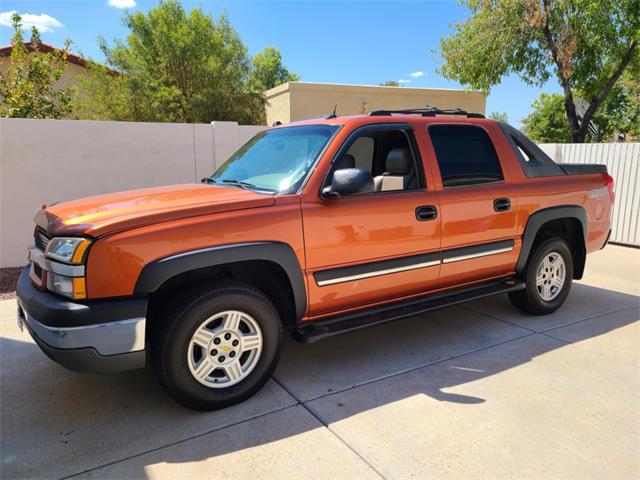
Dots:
pixel 582 168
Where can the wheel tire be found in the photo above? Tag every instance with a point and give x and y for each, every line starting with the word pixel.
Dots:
pixel 172 345
pixel 530 300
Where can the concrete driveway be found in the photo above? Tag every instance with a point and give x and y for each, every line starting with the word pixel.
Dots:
pixel 474 391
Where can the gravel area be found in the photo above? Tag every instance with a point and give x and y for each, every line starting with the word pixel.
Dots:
pixel 8 280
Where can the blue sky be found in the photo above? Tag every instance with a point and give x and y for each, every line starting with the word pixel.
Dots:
pixel 323 41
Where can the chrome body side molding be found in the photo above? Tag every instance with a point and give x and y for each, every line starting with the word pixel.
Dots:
pixel 412 262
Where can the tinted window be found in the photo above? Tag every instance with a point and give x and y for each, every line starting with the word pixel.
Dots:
pixel 465 155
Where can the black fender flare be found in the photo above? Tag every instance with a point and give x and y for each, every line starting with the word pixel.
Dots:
pixel 155 273
pixel 539 218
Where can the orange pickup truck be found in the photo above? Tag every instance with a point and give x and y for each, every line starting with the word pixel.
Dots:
pixel 315 227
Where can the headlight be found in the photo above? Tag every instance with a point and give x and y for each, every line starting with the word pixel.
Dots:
pixel 68 249
pixel 72 251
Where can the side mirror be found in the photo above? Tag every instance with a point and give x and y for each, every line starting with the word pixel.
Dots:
pixel 349 181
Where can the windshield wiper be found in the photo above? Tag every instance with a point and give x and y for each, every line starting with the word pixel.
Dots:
pixel 239 183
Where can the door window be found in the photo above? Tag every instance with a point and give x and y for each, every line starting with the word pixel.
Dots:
pixel 388 154
pixel 465 155
pixel 362 152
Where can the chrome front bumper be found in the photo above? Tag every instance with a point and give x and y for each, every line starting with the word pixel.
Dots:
pixel 110 338
pixel 83 337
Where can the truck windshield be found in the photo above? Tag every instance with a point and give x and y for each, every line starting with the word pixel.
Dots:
pixel 275 160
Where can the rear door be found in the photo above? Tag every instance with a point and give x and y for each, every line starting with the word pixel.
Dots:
pixel 478 204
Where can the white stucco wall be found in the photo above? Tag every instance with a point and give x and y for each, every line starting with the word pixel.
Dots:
pixel 46 161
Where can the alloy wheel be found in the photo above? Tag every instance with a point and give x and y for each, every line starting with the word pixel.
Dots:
pixel 550 276
pixel 224 349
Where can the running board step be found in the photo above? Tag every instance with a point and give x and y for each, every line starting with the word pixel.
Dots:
pixel 315 330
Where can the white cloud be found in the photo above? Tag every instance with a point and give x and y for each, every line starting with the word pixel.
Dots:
pixel 417 74
pixel 404 81
pixel 122 3
pixel 43 22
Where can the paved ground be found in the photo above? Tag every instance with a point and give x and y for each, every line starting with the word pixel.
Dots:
pixel 476 391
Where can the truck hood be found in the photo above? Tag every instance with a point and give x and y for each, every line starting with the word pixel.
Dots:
pixel 103 214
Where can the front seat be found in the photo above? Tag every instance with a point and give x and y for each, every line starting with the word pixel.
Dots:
pixel 398 171
pixel 347 161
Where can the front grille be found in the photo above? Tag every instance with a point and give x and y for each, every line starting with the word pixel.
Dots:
pixel 37 269
pixel 42 239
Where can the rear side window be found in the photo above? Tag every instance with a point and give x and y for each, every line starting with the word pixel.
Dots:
pixel 465 155
pixel 534 162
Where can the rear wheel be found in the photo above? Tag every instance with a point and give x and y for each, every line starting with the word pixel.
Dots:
pixel 218 345
pixel 548 277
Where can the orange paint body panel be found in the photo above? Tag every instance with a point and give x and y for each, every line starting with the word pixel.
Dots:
pixel 360 230
pixel 115 261
pixel 132 229
pixel 104 214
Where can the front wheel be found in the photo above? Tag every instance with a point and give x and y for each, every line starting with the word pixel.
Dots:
pixel 548 278
pixel 218 345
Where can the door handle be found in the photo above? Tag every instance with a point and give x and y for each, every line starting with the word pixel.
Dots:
pixel 426 212
pixel 501 204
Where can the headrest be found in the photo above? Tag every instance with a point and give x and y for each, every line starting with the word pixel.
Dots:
pixel 347 161
pixel 398 161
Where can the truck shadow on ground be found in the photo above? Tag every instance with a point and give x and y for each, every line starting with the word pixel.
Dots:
pixel 58 423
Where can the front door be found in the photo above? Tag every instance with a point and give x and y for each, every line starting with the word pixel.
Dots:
pixel 374 247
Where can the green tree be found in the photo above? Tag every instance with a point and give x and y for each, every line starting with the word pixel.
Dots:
pixel 585 44
pixel 390 83
pixel 268 70
pixel 28 88
pixel 499 116
pixel 173 67
pixel 547 123
pixel 620 113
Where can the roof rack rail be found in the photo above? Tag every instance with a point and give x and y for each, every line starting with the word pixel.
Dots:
pixel 426 112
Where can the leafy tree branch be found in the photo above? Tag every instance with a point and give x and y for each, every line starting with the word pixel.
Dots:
pixel 30 87
pixel 586 44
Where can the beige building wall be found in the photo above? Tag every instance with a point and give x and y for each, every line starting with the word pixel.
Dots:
pixel 69 76
pixel 278 106
pixel 299 100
